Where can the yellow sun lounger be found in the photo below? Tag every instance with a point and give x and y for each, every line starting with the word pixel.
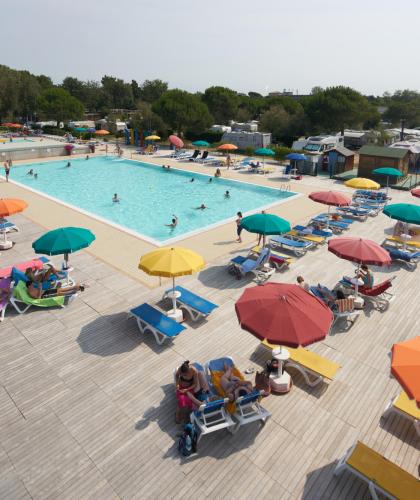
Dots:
pixel 312 366
pixel 382 475
pixel 400 241
pixel 406 407
pixel 318 240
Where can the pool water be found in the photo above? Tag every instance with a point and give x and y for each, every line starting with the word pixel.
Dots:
pixel 7 140
pixel 149 194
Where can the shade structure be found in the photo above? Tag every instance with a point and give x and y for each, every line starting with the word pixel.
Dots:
pixel 152 138
pixel 388 171
pixel 171 262
pixel 265 224
pixel 10 206
pixel 405 212
pixel 332 198
pixel 359 250
pixel 102 132
pixel 405 366
pixel 176 141
pixel 296 156
pixel 283 314
pixel 264 152
pixel 416 192
pixel 201 144
pixel 362 183
pixel 227 147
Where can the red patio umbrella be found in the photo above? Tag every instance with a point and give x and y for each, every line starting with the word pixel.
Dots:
pixel 284 314
pixel 359 250
pixel 416 192
pixel 176 141
pixel 333 198
pixel 405 366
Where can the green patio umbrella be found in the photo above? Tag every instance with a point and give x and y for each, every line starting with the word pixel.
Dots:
pixel 265 224
pixel 389 172
pixel 405 212
pixel 201 144
pixel 63 240
pixel 264 152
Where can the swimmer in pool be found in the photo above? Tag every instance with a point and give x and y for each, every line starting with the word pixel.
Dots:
pixel 210 180
pixel 31 172
pixel 201 207
pixel 35 175
pixel 227 194
pixel 115 198
pixel 68 164
pixel 192 180
pixel 174 222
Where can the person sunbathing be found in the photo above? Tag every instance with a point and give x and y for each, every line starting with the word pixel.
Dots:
pixel 233 386
pixel 42 288
pixel 190 385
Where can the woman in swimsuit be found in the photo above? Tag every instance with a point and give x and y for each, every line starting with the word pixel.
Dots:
pixel 189 384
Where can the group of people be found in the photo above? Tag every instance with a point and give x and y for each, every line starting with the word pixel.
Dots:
pixel 32 173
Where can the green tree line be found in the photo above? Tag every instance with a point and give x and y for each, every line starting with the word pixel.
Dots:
pixel 24 96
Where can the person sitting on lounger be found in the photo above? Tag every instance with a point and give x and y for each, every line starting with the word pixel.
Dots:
pixel 190 386
pixel 365 274
pixel 233 386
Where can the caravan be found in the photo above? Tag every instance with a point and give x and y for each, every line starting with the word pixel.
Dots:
pixel 314 148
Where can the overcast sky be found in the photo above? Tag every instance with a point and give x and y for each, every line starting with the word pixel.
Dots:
pixel 371 45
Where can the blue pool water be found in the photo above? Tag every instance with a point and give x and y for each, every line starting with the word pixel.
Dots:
pixel 149 194
pixel 17 140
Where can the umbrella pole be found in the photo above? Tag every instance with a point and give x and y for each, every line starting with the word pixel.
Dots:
pixel 173 294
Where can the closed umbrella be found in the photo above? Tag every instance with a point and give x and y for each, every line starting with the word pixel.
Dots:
pixel 362 183
pixel 265 224
pixel 388 172
pixel 405 366
pixel 176 141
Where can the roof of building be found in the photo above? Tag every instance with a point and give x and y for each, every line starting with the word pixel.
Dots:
pixel 383 151
pixel 343 151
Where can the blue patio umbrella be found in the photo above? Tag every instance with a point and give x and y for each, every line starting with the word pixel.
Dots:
pixel 389 172
pixel 296 157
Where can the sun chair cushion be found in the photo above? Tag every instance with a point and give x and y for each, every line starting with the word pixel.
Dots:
pixel 156 319
pixel 400 240
pixel 195 301
pixel 216 367
pixel 23 266
pixel 408 406
pixel 275 256
pixel 345 305
pixel 5 287
pixel 375 290
pixel 332 223
pixel 239 259
pixel 387 475
pixel 20 292
pixel 309 237
pixel 316 232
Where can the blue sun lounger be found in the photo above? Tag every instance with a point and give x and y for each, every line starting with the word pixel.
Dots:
pixel 297 246
pixel 196 306
pixel 334 224
pixel 315 232
pixel 405 256
pixel 252 263
pixel 6 226
pixel 152 320
pixel 346 221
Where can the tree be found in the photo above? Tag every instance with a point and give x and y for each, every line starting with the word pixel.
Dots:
pixel 151 90
pixel 44 81
pixel 403 105
pixel 119 93
pixel 183 111
pixel 277 121
pixel 58 104
pixel 145 119
pixel 135 89
pixel 222 103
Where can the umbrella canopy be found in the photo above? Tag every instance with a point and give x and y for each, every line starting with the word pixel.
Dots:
pixel 10 206
pixel 283 314
pixel 227 147
pixel 405 366
pixel 80 129
pixel 91 130
pixel 15 125
pixel 296 156
pixel 359 250
pixel 264 152
pixel 152 138
pixel 171 261
pixel 406 212
pixel 332 198
pixel 265 224
pixel 102 132
pixel 176 141
pixel 63 240
pixel 389 172
pixel 201 144
pixel 416 192
pixel 362 183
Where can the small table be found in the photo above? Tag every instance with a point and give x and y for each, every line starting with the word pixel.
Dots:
pixel 356 282
pixel 175 313
pixel 280 382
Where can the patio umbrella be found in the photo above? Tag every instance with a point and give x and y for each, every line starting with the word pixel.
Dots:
pixel 284 314
pixel 80 129
pixel 101 132
pixel 389 172
pixel 176 141
pixel 362 183
pixel 9 206
pixel 63 240
pixel 415 192
pixel 264 152
pixel 201 144
pixel 330 198
pixel 296 157
pixel 171 262
pixel 405 366
pixel 227 147
pixel 152 138
pixel 265 224
pixel 405 212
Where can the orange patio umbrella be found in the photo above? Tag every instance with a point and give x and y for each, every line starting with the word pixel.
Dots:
pixel 9 206
pixel 405 367
pixel 101 132
pixel 227 147
pixel 15 125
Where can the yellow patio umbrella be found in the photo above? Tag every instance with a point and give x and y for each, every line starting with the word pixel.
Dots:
pixel 171 262
pixel 152 138
pixel 362 183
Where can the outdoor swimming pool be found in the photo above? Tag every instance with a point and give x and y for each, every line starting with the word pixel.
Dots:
pixel 149 194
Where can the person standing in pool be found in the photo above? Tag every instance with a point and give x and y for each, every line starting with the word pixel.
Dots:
pixel 68 164
pixel 192 179
pixel 210 180
pixel 30 172
pixel 174 222
pixel 227 194
pixel 35 175
pixel 239 227
pixel 115 198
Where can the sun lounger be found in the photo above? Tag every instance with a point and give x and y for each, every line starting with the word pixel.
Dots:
pixel 5 289
pixel 358 213
pixel 409 258
pixel 203 158
pixel 379 293
pixel 255 264
pixel 341 308
pixel 279 260
pixel 335 226
pixel 245 409
pixel 150 319
pixel 316 240
pixel 383 476
pixel 331 217
pixel 400 242
pixel 196 306
pixel 6 272
pixel 315 232
pixel 314 367
pixel 7 226
pixel 21 296
pixel 406 407
pixel 192 157
pixel 296 245
pixel 378 195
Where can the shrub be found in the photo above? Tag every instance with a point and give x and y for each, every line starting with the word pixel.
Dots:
pixel 249 151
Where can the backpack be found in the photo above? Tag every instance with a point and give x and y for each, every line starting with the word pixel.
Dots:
pixel 187 444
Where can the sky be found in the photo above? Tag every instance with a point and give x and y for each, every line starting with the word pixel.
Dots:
pixel 247 45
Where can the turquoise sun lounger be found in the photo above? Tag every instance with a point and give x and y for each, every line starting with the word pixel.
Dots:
pixel 152 320
pixel 196 306
pixel 297 246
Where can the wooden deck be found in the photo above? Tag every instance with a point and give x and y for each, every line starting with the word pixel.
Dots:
pixel 87 402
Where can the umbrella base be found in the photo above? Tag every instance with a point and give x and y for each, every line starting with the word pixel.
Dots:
pixel 176 315
pixel 5 245
pixel 280 383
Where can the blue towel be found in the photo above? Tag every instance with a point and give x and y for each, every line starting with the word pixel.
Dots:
pixel 218 365
pixel 158 320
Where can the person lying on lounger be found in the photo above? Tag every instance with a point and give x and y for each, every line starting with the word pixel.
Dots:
pixel 40 286
pixel 233 386
pixel 190 386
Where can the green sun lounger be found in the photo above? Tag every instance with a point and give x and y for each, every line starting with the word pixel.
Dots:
pixel 21 296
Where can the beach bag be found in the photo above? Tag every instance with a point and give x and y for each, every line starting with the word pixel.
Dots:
pixel 187 444
pixel 262 381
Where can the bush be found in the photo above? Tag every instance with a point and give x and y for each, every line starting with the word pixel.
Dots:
pixel 282 151
pixel 249 151
pixel 54 130
pixel 210 137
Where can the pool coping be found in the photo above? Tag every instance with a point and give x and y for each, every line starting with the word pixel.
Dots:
pixel 141 236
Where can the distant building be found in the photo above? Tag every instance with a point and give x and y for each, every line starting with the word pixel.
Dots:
pixel 82 123
pixel 245 127
pixel 355 139
pixel 247 139
pixel 317 143
pixel 220 128
pixel 372 157
pixel 340 159
pixel 286 93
